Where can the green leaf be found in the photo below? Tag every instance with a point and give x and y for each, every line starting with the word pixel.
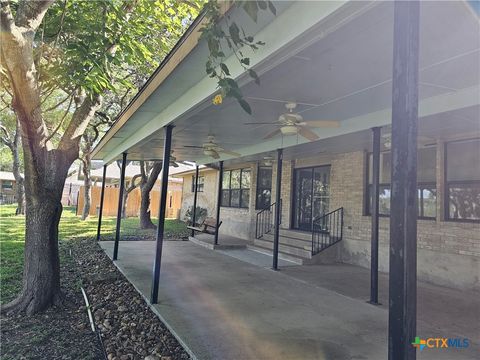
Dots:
pixel 245 106
pixel 272 8
pixel 254 76
pixel 245 61
pixel 225 69
pixel 234 33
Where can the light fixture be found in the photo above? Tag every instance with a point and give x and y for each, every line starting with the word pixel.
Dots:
pixel 268 160
pixel 288 130
pixel 209 152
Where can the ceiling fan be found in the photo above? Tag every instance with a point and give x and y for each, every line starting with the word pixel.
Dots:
pixel 212 149
pixel 291 123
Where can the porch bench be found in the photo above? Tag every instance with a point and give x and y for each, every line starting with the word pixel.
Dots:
pixel 208 226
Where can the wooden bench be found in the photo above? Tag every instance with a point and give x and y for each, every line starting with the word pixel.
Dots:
pixel 208 226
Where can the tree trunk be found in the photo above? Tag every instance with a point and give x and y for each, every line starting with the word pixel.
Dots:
pixel 87 185
pixel 124 202
pixel 145 215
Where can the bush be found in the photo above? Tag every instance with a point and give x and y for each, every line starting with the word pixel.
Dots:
pixel 200 215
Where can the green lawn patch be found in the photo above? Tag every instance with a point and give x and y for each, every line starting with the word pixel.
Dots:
pixel 12 236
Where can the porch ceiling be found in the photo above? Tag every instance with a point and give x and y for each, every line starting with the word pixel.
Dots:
pixel 342 68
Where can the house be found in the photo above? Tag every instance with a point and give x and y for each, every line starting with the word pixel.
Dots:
pixel 310 174
pixel 7 187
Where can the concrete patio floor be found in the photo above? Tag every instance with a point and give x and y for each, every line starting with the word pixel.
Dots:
pixel 226 307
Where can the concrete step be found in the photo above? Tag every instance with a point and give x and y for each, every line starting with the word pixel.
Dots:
pixel 286 249
pixel 287 257
pixel 296 234
pixel 299 243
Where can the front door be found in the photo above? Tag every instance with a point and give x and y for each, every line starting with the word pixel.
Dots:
pixel 311 195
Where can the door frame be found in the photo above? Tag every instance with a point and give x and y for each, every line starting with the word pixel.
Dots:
pixel 294 191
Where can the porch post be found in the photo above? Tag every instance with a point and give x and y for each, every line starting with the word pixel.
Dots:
pixel 219 200
pixel 120 204
pixel 403 213
pixel 277 208
pixel 102 194
pixel 161 213
pixel 194 214
pixel 375 217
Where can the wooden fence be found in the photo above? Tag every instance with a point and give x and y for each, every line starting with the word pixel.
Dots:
pixel 110 203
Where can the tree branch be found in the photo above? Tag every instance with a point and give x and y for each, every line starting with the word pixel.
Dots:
pixel 30 13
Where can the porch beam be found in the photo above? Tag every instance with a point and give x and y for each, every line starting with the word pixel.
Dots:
pixel 194 213
pixel 120 205
pixel 278 214
pixel 219 201
pixel 375 215
pixel 161 213
pixel 403 209
pixel 102 195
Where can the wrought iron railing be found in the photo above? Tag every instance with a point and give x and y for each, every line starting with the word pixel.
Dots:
pixel 6 199
pixel 266 220
pixel 327 230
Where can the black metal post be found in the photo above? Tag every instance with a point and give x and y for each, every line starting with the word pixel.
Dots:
pixel 161 213
pixel 278 212
pixel 102 194
pixel 403 208
pixel 375 216
pixel 120 205
pixel 194 213
pixel 219 200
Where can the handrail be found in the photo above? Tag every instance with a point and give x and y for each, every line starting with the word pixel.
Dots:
pixel 265 220
pixel 327 230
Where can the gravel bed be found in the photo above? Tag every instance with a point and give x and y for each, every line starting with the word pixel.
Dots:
pixel 129 329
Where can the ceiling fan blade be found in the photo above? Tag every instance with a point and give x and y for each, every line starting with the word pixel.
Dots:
pixel 174 164
pixel 228 152
pixel 215 155
pixel 192 146
pixel 308 134
pixel 261 123
pixel 321 123
pixel 271 134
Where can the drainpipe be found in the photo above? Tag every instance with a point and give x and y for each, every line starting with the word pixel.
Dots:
pixel 120 204
pixel 161 214
pixel 403 214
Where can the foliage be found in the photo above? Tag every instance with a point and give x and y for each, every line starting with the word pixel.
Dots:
pixel 231 38
pixel 200 215
pixel 12 235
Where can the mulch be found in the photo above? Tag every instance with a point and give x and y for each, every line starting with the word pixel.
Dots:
pixel 126 327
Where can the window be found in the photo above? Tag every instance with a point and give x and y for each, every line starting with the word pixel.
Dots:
pixel 264 188
pixel 463 180
pixel 236 188
pixel 426 179
pixel 201 183
pixel 7 184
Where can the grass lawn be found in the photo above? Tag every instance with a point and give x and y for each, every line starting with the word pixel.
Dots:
pixel 12 236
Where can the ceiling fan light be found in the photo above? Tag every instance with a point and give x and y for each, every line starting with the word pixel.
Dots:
pixel 288 130
pixel 209 152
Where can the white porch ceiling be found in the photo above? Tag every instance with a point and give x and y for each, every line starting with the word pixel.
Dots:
pixel 343 65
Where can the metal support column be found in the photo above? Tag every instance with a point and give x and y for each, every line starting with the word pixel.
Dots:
pixel 375 216
pixel 219 200
pixel 403 208
pixel 194 213
pixel 102 195
pixel 161 213
pixel 277 208
pixel 120 205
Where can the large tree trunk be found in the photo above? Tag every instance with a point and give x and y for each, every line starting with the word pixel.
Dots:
pixel 87 185
pixel 145 188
